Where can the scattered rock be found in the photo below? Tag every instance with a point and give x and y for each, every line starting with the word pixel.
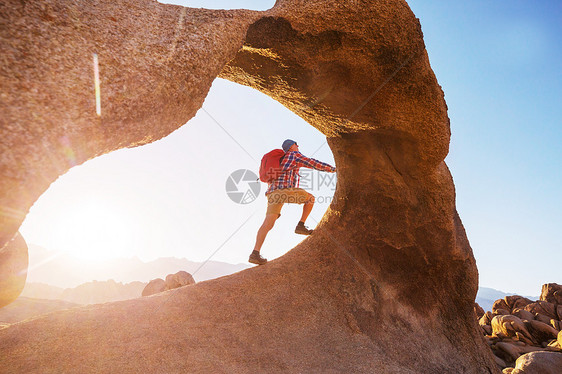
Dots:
pixel 501 312
pixel 542 318
pixel 552 293
pixel 539 363
pixel 541 331
pixel 501 363
pixel 478 310
pixel 516 301
pixel 512 351
pixel 500 304
pixel 487 329
pixel 154 286
pixel 179 279
pixel 486 319
pixel 507 326
pixel 530 327
pixel 523 314
pixel 554 346
pixel 542 307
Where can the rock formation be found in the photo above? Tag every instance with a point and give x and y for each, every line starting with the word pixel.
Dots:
pixel 517 326
pixel 552 293
pixel 179 279
pixel 537 363
pixel 13 269
pixel 389 259
pixel 154 286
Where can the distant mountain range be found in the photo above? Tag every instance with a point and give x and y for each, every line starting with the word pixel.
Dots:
pixel 40 298
pixel 60 281
pixel 486 297
pixel 87 293
pixel 65 271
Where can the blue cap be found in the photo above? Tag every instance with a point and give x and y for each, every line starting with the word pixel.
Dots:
pixel 287 144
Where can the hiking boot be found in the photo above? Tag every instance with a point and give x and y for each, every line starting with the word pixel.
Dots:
pixel 302 229
pixel 256 258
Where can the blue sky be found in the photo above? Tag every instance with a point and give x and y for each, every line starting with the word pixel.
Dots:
pixel 499 65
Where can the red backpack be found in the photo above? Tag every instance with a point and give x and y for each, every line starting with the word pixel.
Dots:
pixel 270 168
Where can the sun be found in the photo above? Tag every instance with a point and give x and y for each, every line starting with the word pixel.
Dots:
pixel 93 229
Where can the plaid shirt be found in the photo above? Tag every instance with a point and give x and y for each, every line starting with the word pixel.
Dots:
pixel 291 163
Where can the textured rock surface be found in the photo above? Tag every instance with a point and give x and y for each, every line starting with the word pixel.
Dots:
pixel 479 311
pixel 157 63
pixel 516 301
pixel 390 257
pixel 507 326
pixel 542 307
pixel 523 314
pixel 13 269
pixel 25 307
pixel 179 279
pixel 541 331
pixel 154 286
pixel 552 292
pixel 539 363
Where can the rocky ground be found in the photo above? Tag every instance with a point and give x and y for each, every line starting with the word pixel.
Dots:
pixel 525 335
pixel 27 307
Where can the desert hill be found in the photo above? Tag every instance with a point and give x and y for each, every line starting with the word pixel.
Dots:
pixel 65 271
pixel 25 307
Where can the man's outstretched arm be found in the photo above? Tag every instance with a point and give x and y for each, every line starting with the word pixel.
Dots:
pixel 303 161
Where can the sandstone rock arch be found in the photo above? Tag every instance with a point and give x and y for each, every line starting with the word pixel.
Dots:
pixel 387 282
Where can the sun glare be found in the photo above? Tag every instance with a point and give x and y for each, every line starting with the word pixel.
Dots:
pixel 92 229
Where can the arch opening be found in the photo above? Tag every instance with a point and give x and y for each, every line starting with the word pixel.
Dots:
pixel 168 198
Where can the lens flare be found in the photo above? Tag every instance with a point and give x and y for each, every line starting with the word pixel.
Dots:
pixel 97 84
pixel 68 150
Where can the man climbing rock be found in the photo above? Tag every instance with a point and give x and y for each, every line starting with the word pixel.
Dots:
pixel 285 189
